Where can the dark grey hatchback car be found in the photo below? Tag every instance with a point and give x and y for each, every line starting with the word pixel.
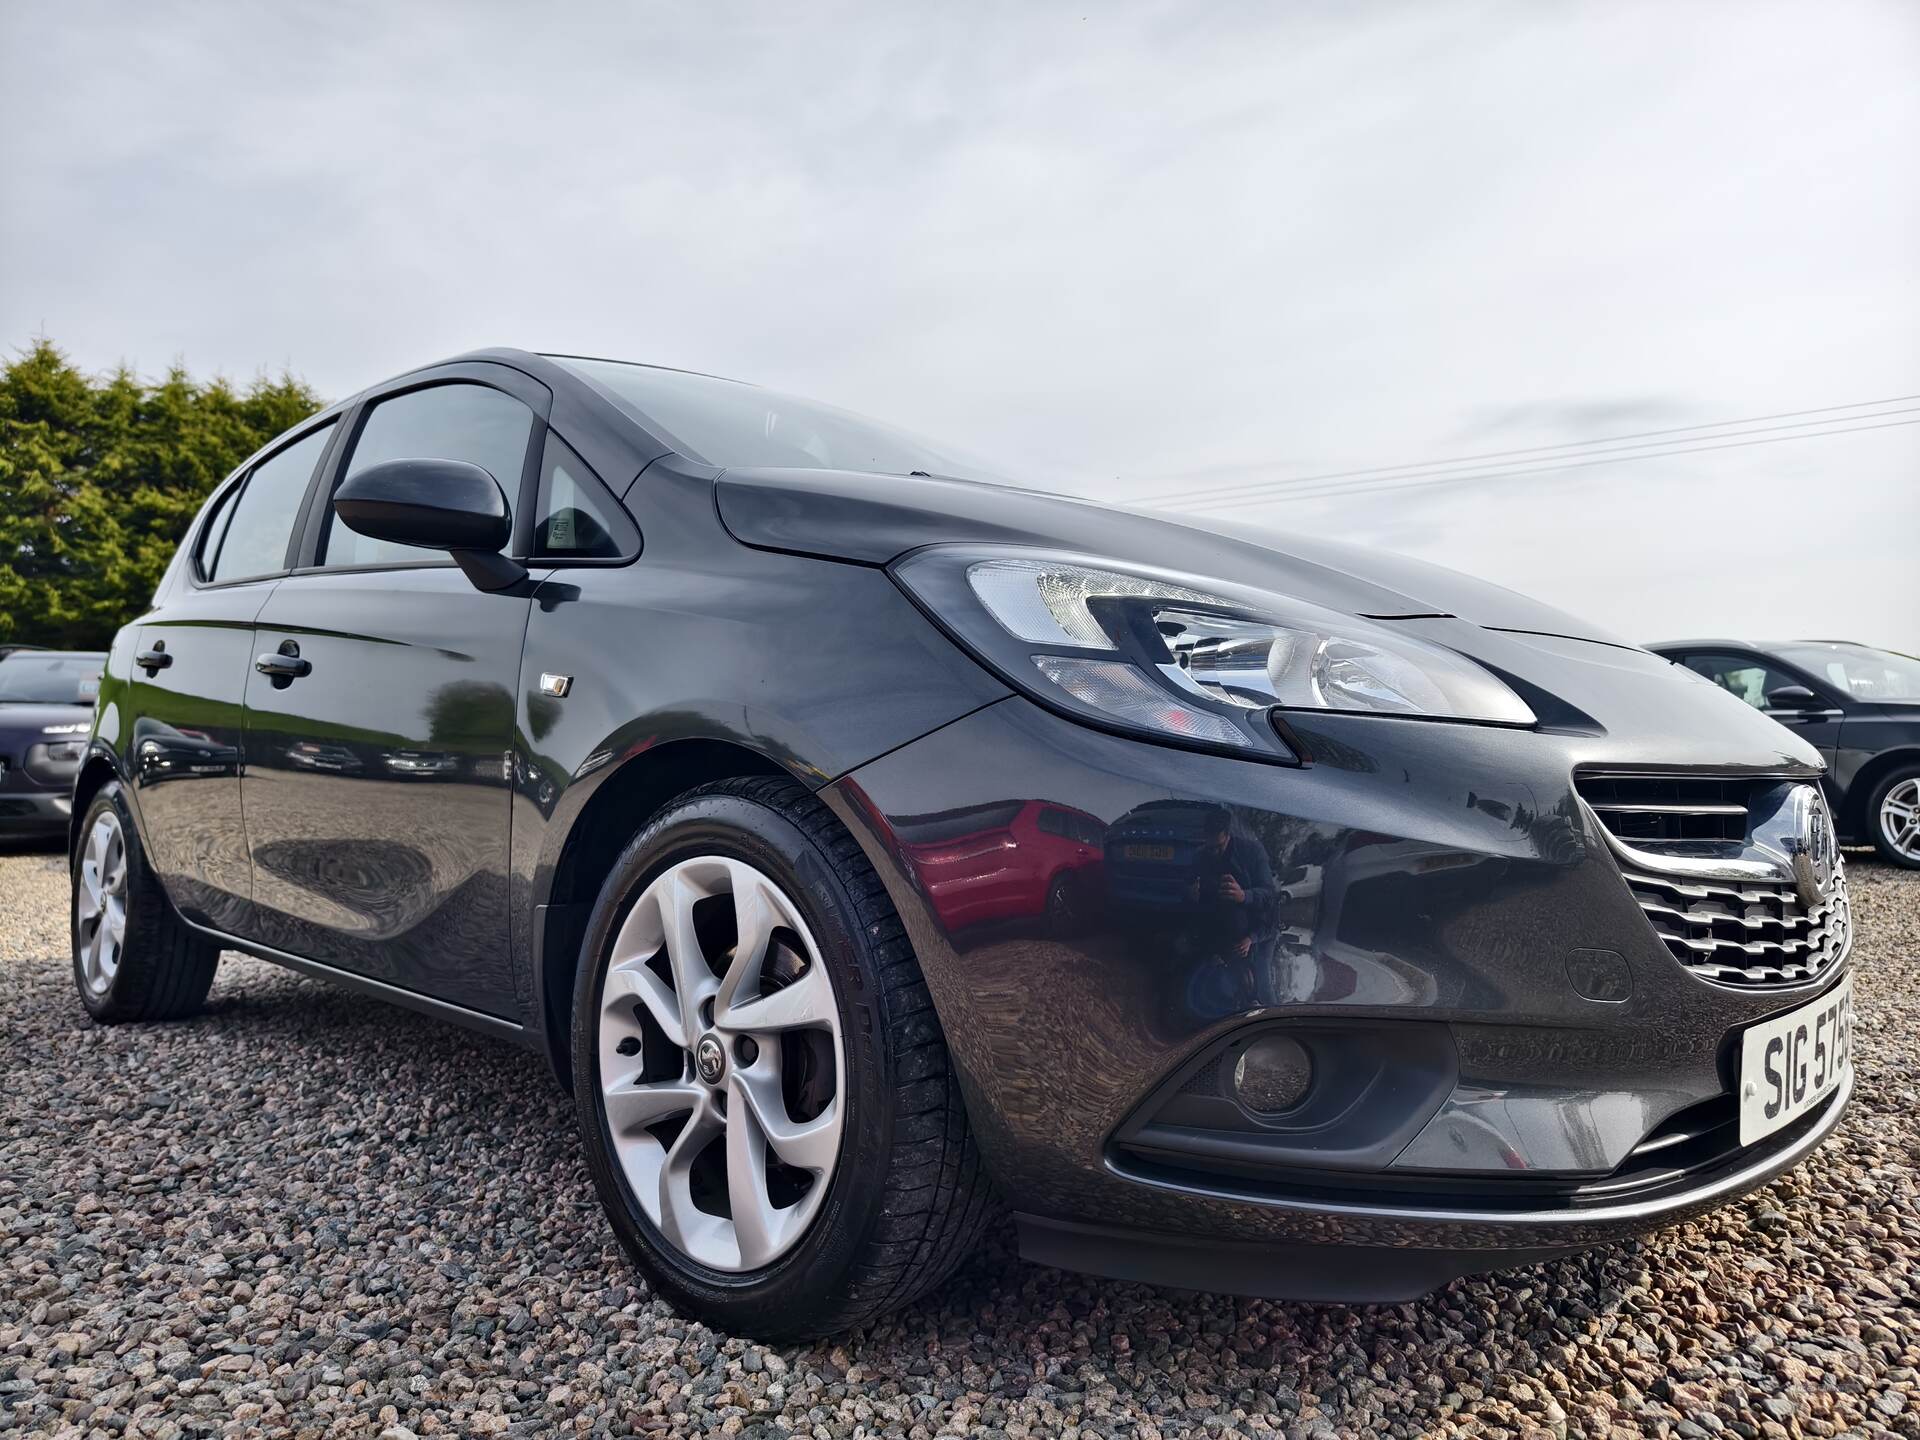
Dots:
pixel 870 848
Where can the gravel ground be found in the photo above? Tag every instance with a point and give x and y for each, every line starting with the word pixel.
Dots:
pixel 308 1214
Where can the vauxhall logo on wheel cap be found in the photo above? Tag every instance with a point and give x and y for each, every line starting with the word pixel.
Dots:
pixel 710 1059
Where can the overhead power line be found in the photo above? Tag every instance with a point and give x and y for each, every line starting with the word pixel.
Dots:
pixel 1543 451
pixel 1368 485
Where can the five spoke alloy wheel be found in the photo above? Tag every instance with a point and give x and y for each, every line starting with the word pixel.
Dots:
pixel 100 903
pixel 1900 817
pixel 722 1064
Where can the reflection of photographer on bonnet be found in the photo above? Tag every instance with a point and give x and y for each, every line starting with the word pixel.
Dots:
pixel 1233 886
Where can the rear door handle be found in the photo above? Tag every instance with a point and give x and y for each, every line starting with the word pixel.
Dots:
pixel 155 660
pixel 283 666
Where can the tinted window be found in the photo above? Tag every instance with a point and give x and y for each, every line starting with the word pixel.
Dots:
pixel 481 426
pixel 578 519
pixel 1860 671
pixel 723 422
pixel 1745 675
pixel 214 532
pixel 256 537
pixel 50 679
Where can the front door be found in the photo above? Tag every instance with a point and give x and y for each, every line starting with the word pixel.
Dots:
pixel 379 731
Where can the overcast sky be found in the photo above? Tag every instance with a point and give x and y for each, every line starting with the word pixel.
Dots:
pixel 1141 249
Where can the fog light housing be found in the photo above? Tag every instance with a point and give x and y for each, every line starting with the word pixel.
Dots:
pixel 1292 1097
pixel 1273 1074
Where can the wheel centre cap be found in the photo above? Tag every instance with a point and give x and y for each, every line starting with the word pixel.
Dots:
pixel 710 1059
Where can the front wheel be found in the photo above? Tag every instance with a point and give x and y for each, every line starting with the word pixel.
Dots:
pixel 765 1095
pixel 1893 814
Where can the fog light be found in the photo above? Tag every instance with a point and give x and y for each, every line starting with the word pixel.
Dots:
pixel 1272 1074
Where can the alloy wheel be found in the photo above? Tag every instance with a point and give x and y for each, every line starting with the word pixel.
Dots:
pixel 101 903
pixel 1900 817
pixel 722 1066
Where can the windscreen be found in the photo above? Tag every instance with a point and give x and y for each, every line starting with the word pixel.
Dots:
pixel 1857 670
pixel 726 422
pixel 50 679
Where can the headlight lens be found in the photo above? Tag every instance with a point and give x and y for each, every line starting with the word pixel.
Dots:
pixel 66 752
pixel 1184 659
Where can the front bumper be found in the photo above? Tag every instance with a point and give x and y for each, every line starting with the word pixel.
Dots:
pixel 1434 1245
pixel 1423 874
pixel 34 812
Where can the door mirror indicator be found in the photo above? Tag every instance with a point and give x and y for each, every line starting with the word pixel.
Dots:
pixel 436 505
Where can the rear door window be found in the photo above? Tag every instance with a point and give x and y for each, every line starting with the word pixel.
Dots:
pixel 261 525
pixel 474 423
pixel 213 532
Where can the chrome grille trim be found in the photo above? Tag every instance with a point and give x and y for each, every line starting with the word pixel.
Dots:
pixel 1734 916
pixel 1622 807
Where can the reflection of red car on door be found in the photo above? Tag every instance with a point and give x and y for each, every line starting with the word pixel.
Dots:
pixel 1010 860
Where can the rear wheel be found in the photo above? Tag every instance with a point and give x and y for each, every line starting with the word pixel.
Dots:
pixel 133 957
pixel 1893 813
pixel 765 1095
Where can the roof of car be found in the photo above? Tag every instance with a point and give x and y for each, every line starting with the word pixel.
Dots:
pixel 1710 640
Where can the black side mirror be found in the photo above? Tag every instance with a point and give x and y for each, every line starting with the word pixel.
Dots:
pixel 1792 697
pixel 437 505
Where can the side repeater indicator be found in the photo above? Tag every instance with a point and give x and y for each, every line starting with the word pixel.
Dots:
pixel 555 685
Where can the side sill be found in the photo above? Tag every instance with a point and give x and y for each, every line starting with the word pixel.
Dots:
pixel 366 985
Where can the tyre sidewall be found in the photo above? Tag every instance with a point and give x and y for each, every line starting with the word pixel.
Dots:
pixel 111 1005
pixel 809 1279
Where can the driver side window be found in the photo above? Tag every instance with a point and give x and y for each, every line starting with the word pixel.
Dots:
pixel 460 421
pixel 1745 675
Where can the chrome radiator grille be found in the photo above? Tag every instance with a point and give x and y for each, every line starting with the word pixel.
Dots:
pixel 1743 933
pixel 1721 895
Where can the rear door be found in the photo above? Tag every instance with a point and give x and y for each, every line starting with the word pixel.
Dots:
pixel 191 662
pixel 378 780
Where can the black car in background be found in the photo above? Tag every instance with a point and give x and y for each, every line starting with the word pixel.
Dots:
pixel 46 704
pixel 868 848
pixel 1858 706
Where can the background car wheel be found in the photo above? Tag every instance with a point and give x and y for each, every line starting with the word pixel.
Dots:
pixel 765 1095
pixel 1893 814
pixel 133 957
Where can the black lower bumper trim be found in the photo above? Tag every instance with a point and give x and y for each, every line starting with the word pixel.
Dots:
pixel 1333 1274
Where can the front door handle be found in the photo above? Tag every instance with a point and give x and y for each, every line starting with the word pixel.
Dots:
pixel 155 660
pixel 283 666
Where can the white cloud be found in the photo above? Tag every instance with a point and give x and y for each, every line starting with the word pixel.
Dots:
pixel 1124 241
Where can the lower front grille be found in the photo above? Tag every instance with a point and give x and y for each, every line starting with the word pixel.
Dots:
pixel 1745 933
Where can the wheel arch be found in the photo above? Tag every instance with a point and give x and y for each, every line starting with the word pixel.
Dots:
pixel 1855 823
pixel 616 811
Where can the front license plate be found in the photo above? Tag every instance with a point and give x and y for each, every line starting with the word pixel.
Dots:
pixel 1147 852
pixel 1790 1063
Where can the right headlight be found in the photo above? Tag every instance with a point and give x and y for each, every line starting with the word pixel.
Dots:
pixel 1185 659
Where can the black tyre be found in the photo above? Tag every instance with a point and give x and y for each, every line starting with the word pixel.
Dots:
pixel 133 957
pixel 766 1098
pixel 1893 817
